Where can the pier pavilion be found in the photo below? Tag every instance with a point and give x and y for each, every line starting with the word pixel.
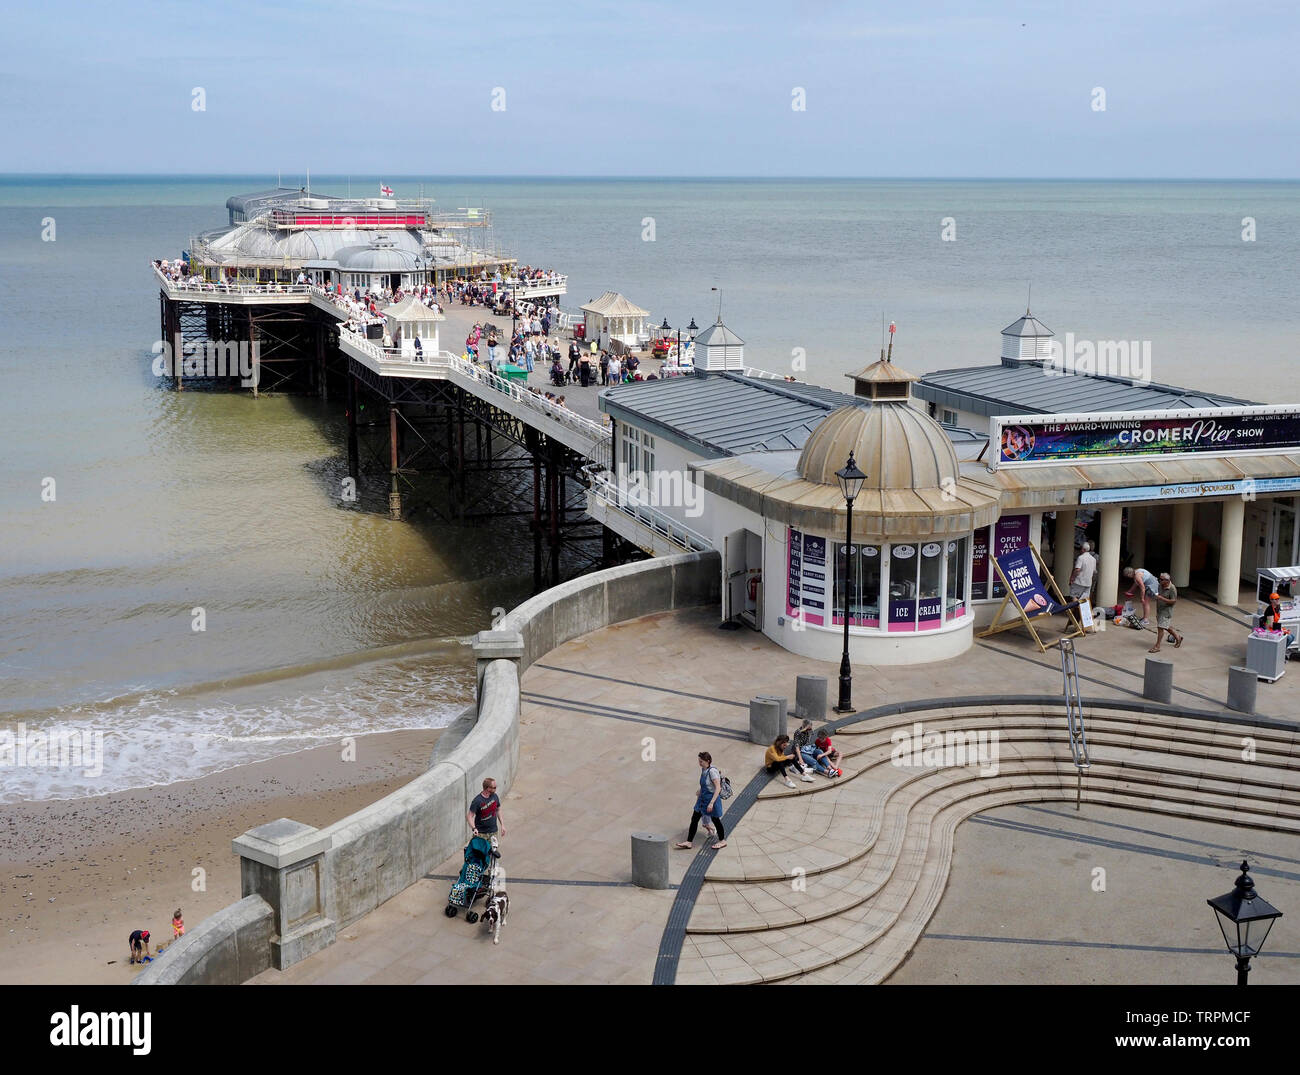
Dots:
pixel 1190 477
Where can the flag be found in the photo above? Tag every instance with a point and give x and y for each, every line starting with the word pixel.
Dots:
pixel 892 330
pixel 386 191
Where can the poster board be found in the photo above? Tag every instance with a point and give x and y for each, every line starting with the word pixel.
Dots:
pixel 1023 572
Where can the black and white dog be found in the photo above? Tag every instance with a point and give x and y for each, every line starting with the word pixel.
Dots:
pixel 498 901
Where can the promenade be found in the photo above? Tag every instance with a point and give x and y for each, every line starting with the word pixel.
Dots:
pixel 612 721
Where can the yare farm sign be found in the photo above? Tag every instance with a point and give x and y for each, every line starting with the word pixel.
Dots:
pixel 1069 438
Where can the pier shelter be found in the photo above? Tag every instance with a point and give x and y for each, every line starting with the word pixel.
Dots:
pixel 410 321
pixel 614 320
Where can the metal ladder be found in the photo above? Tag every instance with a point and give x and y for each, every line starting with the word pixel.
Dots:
pixel 1074 713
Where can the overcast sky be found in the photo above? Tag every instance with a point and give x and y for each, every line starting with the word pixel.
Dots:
pixel 1193 89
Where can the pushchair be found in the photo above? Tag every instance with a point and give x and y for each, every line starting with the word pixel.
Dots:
pixel 558 377
pixel 476 877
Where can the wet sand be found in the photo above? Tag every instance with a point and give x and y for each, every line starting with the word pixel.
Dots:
pixel 77 876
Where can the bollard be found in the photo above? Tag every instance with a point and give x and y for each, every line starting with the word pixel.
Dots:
pixel 1158 680
pixel 782 707
pixel 649 860
pixel 810 699
pixel 765 717
pixel 1243 685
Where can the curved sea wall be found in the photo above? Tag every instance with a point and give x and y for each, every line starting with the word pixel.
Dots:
pixel 301 884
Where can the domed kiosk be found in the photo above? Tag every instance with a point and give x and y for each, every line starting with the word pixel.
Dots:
pixel 903 581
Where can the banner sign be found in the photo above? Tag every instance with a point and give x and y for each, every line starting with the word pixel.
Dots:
pixel 1026 587
pixel 806 577
pixel 1241 487
pixel 1068 438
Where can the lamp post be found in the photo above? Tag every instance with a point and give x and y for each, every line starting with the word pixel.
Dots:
pixel 692 328
pixel 664 329
pixel 1244 919
pixel 851 479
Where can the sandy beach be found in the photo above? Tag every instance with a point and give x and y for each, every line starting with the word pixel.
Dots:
pixel 77 876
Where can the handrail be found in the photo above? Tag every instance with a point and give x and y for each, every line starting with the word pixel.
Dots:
pixel 651 518
pixel 231 289
pixel 1074 712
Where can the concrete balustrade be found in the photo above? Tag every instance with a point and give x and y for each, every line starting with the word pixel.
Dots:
pixel 300 884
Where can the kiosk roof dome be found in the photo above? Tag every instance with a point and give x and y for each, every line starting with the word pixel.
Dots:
pixel 894 444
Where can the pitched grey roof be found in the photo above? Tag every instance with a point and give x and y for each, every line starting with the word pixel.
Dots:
pixel 725 413
pixel 718 335
pixel 1032 389
pixel 1028 325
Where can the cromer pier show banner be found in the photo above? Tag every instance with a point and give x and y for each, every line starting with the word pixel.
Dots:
pixel 1051 439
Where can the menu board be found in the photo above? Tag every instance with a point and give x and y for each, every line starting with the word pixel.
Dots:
pixel 806 577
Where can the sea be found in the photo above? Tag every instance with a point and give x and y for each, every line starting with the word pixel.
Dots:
pixel 130 513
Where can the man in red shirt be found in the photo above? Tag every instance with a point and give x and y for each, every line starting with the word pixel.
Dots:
pixel 485 811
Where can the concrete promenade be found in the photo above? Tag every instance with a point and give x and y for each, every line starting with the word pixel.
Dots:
pixel 610 728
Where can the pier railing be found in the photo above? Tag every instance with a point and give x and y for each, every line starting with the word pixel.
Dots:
pixel 630 500
pixel 453 367
pixel 208 287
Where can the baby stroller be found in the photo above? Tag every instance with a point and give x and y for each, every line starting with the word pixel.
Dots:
pixel 476 877
pixel 558 377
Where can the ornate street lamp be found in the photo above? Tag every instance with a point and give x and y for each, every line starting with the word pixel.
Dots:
pixel 1245 919
pixel 851 479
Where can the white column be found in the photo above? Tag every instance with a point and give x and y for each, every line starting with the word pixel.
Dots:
pixel 1036 530
pixel 1108 562
pixel 1137 535
pixel 1234 518
pixel 1180 555
pixel 1064 544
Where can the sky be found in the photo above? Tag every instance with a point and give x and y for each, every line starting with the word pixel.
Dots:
pixel 1192 89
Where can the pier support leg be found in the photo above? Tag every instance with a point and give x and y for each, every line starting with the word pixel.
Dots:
pixel 252 343
pixel 553 509
pixel 354 454
pixel 533 441
pixel 394 494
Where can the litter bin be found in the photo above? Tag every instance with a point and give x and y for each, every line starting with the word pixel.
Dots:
pixel 517 374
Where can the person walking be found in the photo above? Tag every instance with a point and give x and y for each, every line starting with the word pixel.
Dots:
pixel 484 814
pixel 1166 598
pixel 1085 570
pixel 708 803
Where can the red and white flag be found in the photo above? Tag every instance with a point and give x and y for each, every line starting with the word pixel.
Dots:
pixel 892 329
pixel 386 191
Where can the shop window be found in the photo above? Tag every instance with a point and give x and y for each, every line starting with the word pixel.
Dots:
pixel 955 601
pixel 929 595
pixel 860 565
pixel 904 566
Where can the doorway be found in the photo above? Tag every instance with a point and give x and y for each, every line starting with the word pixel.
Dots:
pixel 742 578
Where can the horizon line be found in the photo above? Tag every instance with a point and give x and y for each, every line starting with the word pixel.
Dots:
pixel 329 176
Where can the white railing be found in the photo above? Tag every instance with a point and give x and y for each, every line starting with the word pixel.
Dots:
pixel 208 287
pixel 525 288
pixel 766 375
pixel 628 500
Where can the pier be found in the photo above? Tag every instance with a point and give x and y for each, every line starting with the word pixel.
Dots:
pixel 457 427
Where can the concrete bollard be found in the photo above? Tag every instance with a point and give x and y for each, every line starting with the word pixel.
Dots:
pixel 765 716
pixel 782 708
pixel 810 699
pixel 649 860
pixel 1158 680
pixel 1243 685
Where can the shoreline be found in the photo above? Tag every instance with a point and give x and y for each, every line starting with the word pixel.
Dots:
pixel 77 875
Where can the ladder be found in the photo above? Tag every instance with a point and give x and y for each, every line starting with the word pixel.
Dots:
pixel 1074 713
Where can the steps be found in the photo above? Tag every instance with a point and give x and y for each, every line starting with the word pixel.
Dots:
pixel 834 882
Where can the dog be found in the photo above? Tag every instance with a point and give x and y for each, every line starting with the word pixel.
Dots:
pixel 498 907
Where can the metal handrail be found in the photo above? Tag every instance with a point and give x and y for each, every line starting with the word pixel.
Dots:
pixel 232 289
pixel 650 518
pixel 530 399
pixel 1074 712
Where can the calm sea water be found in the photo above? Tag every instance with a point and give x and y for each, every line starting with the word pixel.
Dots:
pixel 323 621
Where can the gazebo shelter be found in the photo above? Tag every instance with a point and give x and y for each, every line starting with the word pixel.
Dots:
pixel 410 320
pixel 611 318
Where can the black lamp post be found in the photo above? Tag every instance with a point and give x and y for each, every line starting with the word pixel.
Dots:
pixel 664 329
pixel 1244 919
pixel 851 479
pixel 692 328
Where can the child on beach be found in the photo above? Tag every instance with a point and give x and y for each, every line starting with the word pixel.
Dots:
pixel 178 925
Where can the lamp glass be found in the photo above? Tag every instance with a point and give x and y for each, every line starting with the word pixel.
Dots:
pixel 851 479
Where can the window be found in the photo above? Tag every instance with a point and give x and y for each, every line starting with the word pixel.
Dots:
pixel 949 418
pixel 929 596
pixel 955 590
pixel 860 566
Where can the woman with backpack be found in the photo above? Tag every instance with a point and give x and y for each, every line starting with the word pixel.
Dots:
pixel 708 803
